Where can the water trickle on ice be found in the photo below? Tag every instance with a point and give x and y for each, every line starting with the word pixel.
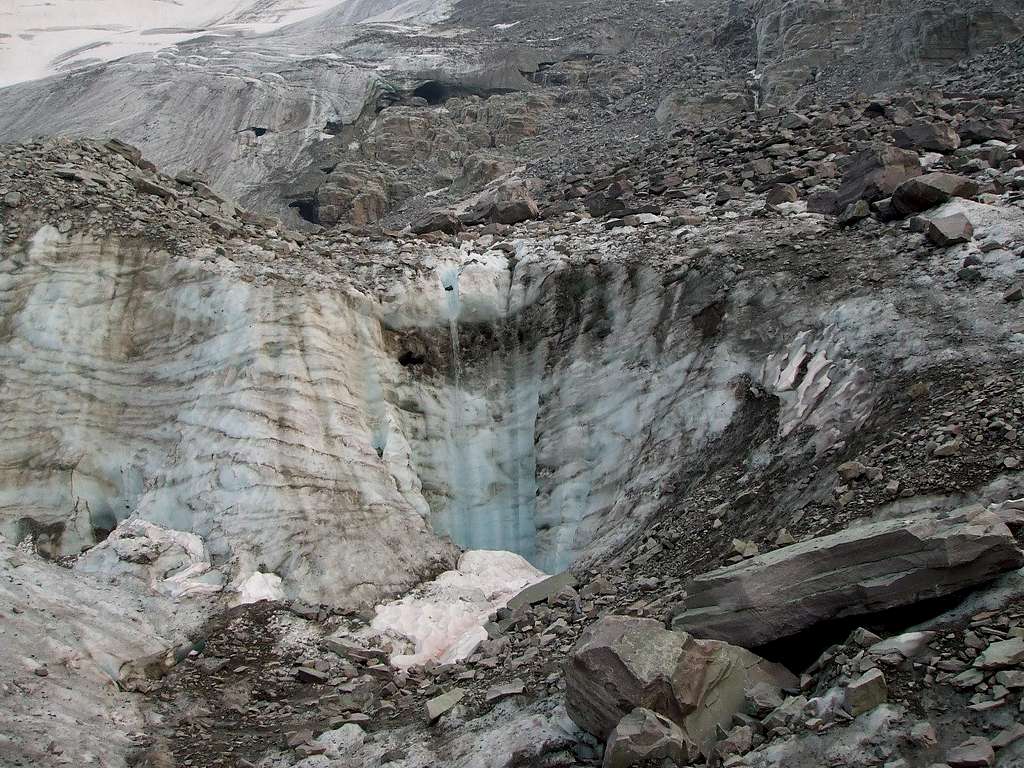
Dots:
pixel 450 283
pixel 457 521
pixel 488 445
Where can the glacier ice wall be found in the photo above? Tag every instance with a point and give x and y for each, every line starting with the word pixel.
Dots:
pixel 545 401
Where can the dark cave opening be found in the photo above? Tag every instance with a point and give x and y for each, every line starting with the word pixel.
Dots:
pixel 258 131
pixel 308 209
pixel 433 91
pixel 334 127
pixel 411 358
pixel 798 652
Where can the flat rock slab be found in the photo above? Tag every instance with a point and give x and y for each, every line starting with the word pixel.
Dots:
pixel 855 572
pixel 513 688
pixel 438 705
pixel 542 590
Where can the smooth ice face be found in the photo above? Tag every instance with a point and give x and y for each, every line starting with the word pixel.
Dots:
pixel 443 620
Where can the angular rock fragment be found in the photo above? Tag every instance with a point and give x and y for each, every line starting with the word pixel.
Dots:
pixel 854 572
pixel 1007 736
pixel 1001 654
pixel 646 735
pixel 934 137
pixel 507 201
pixel 974 753
pixel 866 692
pixel 497 692
pixel 150 187
pixel 438 705
pixel 436 221
pixel 542 590
pixel 931 189
pixel 872 175
pixel 310 675
pixel 978 130
pixel 949 230
pixel 621 663
pixel 782 193
pixel 854 212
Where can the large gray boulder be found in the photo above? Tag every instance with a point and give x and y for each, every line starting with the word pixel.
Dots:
pixel 857 571
pixel 621 663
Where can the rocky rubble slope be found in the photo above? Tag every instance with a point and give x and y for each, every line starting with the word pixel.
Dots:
pixel 748 385
pixel 372 110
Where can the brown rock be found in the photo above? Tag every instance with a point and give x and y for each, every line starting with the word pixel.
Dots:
pixel 620 663
pixel 949 230
pixel 935 137
pixel 854 572
pixel 646 735
pixel 931 189
pixel 874 174
pixel 973 753
pixel 436 221
pixel 782 193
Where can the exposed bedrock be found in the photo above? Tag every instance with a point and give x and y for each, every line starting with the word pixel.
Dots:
pixel 872 44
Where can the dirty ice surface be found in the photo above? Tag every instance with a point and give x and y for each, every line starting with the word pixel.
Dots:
pixel 39 38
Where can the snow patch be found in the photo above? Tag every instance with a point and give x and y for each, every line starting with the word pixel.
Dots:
pixel 443 620
pixel 259 586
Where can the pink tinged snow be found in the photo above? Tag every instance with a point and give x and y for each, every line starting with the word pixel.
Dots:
pixel 442 621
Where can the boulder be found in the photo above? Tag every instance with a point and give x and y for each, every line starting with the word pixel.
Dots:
pixel 621 663
pixel 481 168
pixel 872 175
pixel 738 741
pixel 356 193
pixel 934 137
pixel 931 189
pixel 854 572
pixel 506 201
pixel 782 193
pixel 979 130
pixel 646 735
pixel 854 212
pixel 949 230
pixel 436 221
